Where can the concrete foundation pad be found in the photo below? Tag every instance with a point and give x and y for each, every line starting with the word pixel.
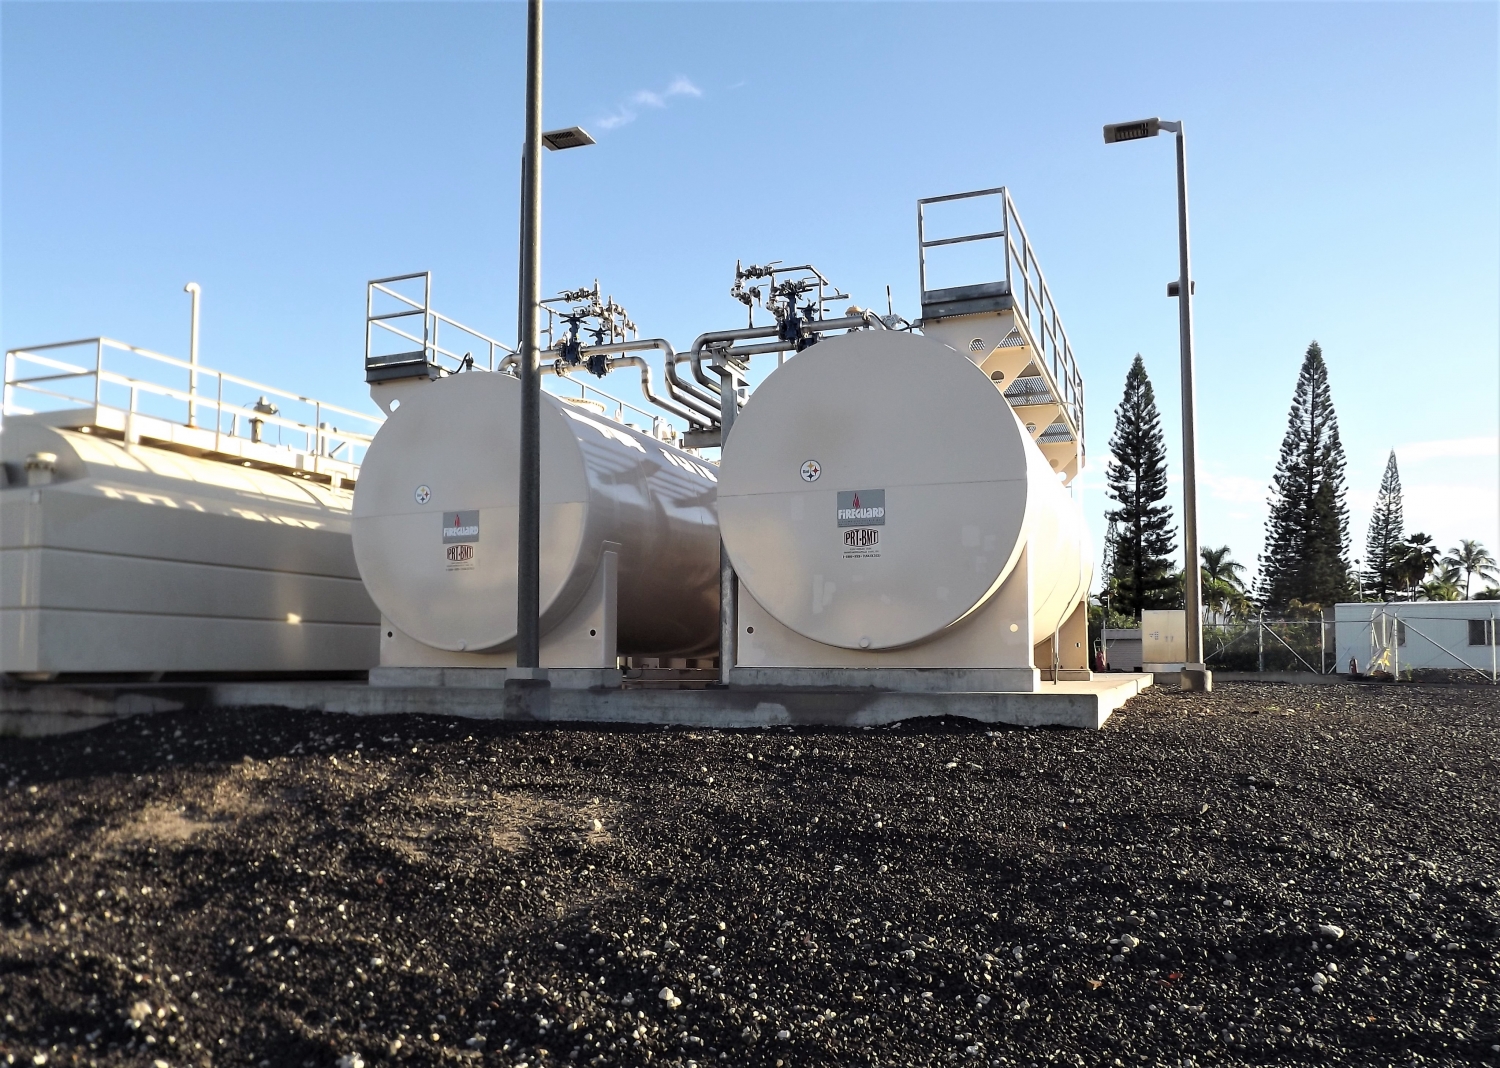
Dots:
pixel 1062 704
pixel 493 678
pixel 1293 678
pixel 58 710
pixel 893 679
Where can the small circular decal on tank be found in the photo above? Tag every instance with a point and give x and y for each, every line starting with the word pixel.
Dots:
pixel 423 494
pixel 811 470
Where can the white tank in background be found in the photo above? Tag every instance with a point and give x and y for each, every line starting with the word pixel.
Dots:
pixel 629 538
pixel 121 557
pixel 884 507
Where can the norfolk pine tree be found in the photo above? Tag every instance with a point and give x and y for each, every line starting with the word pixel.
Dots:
pixel 1387 528
pixel 1308 528
pixel 1142 545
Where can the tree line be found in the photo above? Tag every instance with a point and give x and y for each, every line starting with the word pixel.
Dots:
pixel 1305 566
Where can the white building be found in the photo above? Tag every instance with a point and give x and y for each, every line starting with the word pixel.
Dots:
pixel 1449 635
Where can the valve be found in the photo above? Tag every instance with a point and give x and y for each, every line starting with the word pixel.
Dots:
pixel 809 314
pixel 570 349
pixel 598 362
pixel 609 325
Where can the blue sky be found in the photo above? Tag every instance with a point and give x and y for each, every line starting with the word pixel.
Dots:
pixel 1342 162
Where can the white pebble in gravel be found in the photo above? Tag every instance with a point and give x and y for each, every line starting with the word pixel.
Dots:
pixel 1330 930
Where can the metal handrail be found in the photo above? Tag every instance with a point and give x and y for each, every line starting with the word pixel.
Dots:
pixel 432 322
pixel 319 439
pixel 430 349
pixel 29 351
pixel 1063 366
pixel 1036 313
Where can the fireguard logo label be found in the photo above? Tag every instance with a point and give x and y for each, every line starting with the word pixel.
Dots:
pixel 461 540
pixel 460 527
pixel 862 508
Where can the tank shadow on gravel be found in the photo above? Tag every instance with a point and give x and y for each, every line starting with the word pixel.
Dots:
pixel 1263 875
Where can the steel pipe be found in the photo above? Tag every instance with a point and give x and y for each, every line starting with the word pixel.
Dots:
pixel 661 402
pixel 682 386
pixel 848 322
pixel 704 340
pixel 706 408
pixel 686 407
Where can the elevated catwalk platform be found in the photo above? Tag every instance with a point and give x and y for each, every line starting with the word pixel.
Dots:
pixel 56 708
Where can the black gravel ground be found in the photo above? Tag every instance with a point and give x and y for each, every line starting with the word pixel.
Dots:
pixel 1266 875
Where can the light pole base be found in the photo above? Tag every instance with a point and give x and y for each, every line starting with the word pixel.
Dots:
pixel 1195 678
pixel 528 698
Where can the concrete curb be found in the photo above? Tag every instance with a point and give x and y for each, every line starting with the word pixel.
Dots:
pixel 1065 706
pixel 1085 705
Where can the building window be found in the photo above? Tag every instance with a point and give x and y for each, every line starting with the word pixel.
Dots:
pixel 1481 632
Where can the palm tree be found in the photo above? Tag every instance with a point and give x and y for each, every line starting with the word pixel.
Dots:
pixel 1472 559
pixel 1443 586
pixel 1411 560
pixel 1223 589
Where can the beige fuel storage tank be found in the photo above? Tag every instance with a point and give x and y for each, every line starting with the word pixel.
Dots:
pixel 628 531
pixel 121 557
pixel 876 495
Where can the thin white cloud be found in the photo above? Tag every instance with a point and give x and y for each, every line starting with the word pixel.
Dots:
pixel 1450 511
pixel 1236 489
pixel 629 111
pixel 1447 448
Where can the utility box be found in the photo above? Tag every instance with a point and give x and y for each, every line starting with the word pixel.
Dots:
pixel 1122 649
pixel 1163 645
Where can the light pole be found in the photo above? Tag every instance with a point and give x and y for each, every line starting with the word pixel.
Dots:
pixel 1195 674
pixel 526 685
pixel 194 290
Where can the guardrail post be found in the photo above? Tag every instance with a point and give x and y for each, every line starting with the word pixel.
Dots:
pixel 98 372
pixel 426 315
pixel 1494 673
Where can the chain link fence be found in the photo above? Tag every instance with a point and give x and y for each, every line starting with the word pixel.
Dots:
pixel 1270 645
